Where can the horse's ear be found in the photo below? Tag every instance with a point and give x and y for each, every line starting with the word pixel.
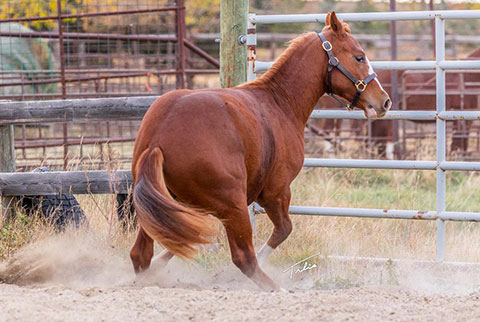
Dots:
pixel 327 19
pixel 335 24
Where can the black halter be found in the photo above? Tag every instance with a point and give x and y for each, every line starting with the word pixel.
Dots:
pixel 361 85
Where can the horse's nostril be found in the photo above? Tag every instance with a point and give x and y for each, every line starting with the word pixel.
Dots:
pixel 387 104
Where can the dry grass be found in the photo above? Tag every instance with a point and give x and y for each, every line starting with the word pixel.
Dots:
pixel 21 230
pixel 379 237
pixel 340 236
pixel 387 189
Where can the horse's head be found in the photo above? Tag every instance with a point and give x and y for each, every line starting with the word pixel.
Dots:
pixel 351 75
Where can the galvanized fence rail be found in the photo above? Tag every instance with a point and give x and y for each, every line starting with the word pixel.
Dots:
pixel 440 165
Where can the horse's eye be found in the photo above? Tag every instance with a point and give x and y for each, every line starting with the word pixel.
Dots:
pixel 360 59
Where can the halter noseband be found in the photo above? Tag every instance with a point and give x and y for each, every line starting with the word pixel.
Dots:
pixel 361 85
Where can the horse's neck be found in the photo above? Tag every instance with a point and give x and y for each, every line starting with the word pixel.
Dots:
pixel 297 81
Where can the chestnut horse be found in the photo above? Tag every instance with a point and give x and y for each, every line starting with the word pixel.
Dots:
pixel 215 151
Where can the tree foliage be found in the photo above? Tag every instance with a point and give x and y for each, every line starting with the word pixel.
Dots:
pixel 36 8
pixel 369 27
pixel 203 15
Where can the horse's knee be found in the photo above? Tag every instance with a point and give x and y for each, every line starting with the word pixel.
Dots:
pixel 245 262
pixel 285 229
pixel 288 227
pixel 280 232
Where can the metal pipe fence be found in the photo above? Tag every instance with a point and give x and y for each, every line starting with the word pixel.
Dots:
pixel 440 116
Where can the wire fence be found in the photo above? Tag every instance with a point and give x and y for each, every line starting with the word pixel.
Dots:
pixel 60 49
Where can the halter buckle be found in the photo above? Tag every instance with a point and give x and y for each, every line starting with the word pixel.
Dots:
pixel 327 46
pixel 360 85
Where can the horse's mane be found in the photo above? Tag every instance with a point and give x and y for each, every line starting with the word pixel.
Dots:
pixel 292 47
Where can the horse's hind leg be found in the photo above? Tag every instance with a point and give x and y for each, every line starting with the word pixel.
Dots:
pixel 277 210
pixel 239 233
pixel 161 260
pixel 142 252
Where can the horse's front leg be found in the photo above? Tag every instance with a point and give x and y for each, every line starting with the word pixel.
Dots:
pixel 239 233
pixel 276 207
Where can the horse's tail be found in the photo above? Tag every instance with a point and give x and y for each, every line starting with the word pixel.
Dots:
pixel 178 228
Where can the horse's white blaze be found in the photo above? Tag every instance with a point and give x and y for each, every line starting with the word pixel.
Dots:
pixel 370 68
pixel 371 71
pixel 264 253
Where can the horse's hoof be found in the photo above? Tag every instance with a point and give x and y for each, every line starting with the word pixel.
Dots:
pixel 141 269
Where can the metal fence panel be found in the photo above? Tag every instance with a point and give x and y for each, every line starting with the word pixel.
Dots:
pixel 440 165
pixel 369 16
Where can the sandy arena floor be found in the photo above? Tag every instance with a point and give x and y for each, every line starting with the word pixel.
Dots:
pixel 52 282
pixel 59 303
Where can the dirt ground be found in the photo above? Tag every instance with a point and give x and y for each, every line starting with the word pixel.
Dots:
pixel 153 303
pixel 52 282
pixel 131 303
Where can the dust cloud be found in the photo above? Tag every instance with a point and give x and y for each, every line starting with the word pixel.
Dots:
pixel 79 276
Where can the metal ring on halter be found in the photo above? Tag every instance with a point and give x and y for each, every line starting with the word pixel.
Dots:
pixel 360 85
pixel 329 46
pixel 333 63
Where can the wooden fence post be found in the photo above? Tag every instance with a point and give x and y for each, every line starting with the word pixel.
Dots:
pixel 7 164
pixel 233 55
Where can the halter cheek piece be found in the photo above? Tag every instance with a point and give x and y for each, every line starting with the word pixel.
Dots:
pixel 333 62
